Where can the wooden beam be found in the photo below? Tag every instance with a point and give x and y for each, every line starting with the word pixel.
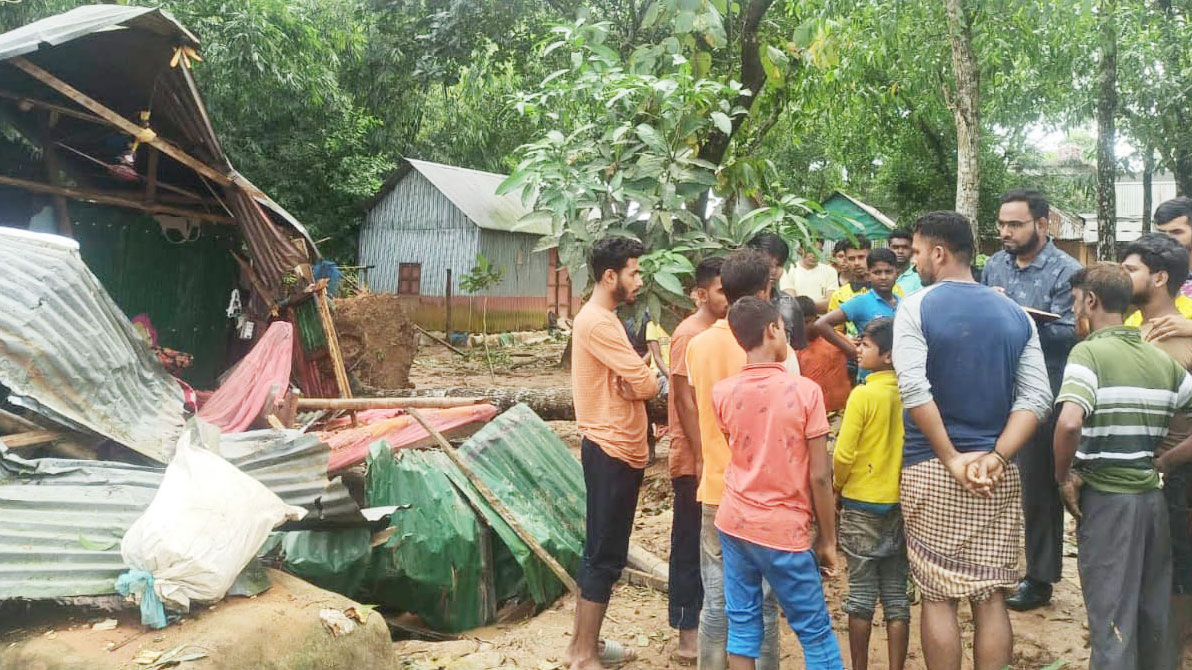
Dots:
pixel 105 199
pixel 64 111
pixel 151 175
pixel 498 506
pixel 119 121
pixel 308 404
pixel 31 438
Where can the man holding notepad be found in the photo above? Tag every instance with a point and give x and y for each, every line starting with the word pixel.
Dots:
pixel 1035 273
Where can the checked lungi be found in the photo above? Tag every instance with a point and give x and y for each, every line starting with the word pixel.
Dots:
pixel 960 545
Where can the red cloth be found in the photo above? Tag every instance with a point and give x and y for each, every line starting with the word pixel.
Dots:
pixel 825 364
pixel 349 446
pixel 239 399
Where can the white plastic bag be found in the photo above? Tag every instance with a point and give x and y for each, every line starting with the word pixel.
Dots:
pixel 205 524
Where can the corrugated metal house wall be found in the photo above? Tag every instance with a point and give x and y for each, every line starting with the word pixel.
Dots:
pixel 415 223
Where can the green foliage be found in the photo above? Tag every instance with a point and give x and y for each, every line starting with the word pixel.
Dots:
pixel 483 276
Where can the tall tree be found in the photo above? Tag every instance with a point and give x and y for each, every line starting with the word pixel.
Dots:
pixel 965 102
pixel 1107 103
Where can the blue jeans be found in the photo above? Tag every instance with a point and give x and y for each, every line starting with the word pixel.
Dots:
pixel 713 622
pixel 796 581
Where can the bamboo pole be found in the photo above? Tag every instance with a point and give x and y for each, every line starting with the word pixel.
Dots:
pixel 32 438
pixel 337 357
pixel 439 340
pixel 358 404
pixel 105 199
pixel 119 121
pixel 498 506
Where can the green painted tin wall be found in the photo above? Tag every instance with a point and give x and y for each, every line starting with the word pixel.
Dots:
pixel 184 288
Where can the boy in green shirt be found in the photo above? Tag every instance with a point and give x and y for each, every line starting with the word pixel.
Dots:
pixel 1116 401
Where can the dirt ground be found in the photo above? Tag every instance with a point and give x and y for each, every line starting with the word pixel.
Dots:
pixel 377 340
pixel 517 366
pixel 638 616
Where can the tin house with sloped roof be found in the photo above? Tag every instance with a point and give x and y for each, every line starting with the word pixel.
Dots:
pixel 423 232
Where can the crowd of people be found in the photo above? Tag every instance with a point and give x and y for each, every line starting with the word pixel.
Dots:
pixel 968 408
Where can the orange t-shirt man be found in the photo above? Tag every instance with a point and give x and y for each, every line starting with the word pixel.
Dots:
pixel 770 416
pixel 711 356
pixel 600 354
pixel 681 460
pixel 825 364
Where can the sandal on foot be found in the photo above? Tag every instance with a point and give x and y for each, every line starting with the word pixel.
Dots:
pixel 613 654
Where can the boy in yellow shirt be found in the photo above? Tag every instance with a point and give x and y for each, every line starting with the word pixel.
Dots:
pixel 866 467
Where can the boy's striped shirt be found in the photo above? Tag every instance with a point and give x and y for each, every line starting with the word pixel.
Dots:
pixel 1129 391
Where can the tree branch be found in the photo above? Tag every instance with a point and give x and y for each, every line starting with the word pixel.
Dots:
pixel 753 76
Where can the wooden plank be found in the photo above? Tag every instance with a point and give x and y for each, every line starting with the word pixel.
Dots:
pixel 151 175
pixel 106 199
pixel 357 404
pixel 119 121
pixel 438 339
pixel 31 438
pixel 498 506
pixel 23 100
pixel 337 358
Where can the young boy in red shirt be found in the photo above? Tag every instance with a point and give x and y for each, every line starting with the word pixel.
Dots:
pixel 779 474
pixel 823 362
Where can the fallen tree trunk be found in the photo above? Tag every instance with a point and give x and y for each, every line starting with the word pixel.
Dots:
pixel 552 403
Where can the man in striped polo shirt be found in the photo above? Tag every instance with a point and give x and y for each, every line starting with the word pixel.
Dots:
pixel 1115 404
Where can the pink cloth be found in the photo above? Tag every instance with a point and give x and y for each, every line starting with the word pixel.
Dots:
pixel 349 446
pixel 239 399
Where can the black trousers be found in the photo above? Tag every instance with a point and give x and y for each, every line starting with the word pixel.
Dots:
pixel 1042 511
pixel 685 591
pixel 612 501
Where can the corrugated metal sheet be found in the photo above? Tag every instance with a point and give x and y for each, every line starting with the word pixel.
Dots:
pixel 526 271
pixel 81 21
pixel 182 287
pixel 66 347
pixel 474 192
pixel 61 520
pixel 416 223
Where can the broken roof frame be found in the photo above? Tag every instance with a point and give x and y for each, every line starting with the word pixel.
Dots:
pixel 63 66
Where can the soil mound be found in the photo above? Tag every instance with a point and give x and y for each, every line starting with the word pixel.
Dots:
pixel 377 339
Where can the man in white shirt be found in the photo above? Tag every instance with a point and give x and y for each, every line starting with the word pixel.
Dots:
pixel 809 277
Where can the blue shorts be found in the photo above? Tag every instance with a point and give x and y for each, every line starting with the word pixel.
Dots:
pixel 795 578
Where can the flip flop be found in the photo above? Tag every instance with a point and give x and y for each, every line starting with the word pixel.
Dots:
pixel 613 654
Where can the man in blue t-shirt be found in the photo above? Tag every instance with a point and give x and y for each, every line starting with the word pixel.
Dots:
pixel 880 301
pixel 974 386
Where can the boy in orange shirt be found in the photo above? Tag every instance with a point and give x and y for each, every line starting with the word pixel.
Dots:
pixel 823 362
pixel 779 475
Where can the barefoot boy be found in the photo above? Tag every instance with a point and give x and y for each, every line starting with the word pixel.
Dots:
pixel 866 465
pixel 778 476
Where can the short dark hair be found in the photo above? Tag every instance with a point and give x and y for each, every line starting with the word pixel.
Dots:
pixel 1161 252
pixel 707 271
pixel 901 234
pixel 841 246
pixel 1035 201
pixel 881 331
pixel 950 229
pixel 1170 210
pixel 748 319
pixel 881 255
pixel 861 242
pixel 773 245
pixel 745 272
pixel 613 253
pixel 806 305
pixel 1109 282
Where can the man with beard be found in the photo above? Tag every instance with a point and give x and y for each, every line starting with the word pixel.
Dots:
pixel 974 386
pixel 1174 217
pixel 609 381
pixel 1034 273
pixel 1155 263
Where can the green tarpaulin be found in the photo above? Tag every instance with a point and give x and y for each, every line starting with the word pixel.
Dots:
pixel 451 559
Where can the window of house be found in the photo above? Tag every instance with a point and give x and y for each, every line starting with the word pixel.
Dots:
pixel 409 278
